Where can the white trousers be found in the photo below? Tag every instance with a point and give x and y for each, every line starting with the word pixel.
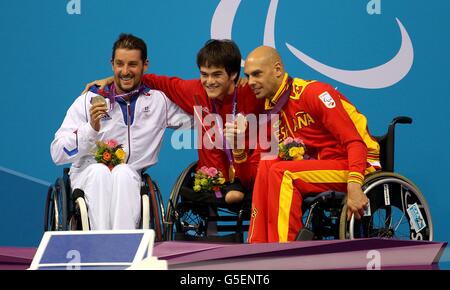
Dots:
pixel 112 197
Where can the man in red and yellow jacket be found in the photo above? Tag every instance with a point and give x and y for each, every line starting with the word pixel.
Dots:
pixel 339 148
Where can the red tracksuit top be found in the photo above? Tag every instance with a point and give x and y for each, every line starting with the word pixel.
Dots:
pixel 329 125
pixel 190 93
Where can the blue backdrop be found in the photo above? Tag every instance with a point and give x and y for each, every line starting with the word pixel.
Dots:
pixel 51 49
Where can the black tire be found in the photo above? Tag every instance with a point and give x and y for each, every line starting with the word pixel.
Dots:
pixel 77 217
pixel 156 222
pixel 390 196
pixel 58 209
pixel 64 204
pixel 49 214
pixel 159 210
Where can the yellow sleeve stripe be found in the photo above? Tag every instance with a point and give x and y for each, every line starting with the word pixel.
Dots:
pixel 355 177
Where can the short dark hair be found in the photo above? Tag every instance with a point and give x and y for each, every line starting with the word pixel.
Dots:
pixel 130 41
pixel 221 53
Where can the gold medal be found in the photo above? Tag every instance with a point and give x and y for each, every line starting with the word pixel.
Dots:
pixel 231 173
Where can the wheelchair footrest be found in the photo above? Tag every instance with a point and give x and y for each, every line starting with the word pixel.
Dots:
pixel 305 235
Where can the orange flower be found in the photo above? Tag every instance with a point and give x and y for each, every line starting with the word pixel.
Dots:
pixel 106 156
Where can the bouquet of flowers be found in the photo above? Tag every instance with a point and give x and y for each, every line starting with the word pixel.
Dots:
pixel 291 149
pixel 209 179
pixel 109 153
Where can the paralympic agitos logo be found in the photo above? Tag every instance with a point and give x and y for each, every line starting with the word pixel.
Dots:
pixel 378 77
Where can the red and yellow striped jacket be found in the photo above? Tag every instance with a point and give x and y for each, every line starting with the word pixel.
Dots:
pixel 329 125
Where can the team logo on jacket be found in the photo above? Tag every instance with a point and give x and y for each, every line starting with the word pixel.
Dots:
pixel 254 212
pixel 327 100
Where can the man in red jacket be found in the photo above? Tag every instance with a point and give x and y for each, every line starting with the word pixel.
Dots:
pixel 219 62
pixel 339 149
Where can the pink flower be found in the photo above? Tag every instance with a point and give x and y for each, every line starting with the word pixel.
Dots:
pixel 288 140
pixel 111 143
pixel 212 171
pixel 204 170
pixel 298 140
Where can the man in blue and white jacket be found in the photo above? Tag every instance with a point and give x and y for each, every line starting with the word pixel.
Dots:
pixel 132 115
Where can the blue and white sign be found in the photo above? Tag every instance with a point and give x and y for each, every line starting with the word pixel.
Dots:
pixel 93 250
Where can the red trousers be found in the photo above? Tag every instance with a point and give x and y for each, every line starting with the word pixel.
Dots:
pixel 278 195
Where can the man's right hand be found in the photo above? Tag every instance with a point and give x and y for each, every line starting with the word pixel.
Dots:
pixel 235 132
pixel 357 201
pixel 97 111
pixel 101 83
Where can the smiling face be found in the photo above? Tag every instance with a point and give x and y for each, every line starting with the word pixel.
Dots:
pixel 216 81
pixel 128 68
pixel 265 72
pixel 261 78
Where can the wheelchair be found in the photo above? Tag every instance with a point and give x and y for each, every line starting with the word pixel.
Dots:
pixel 397 208
pixel 66 209
pixel 198 221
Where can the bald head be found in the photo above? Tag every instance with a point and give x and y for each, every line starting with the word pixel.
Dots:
pixel 265 71
pixel 265 54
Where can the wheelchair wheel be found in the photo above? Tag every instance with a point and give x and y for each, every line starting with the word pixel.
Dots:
pixel 397 210
pixel 57 207
pixel 155 208
pixel 158 209
pixel 181 218
pixel 49 214
pixel 79 220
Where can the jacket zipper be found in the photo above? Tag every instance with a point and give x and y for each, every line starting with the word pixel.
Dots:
pixel 129 125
